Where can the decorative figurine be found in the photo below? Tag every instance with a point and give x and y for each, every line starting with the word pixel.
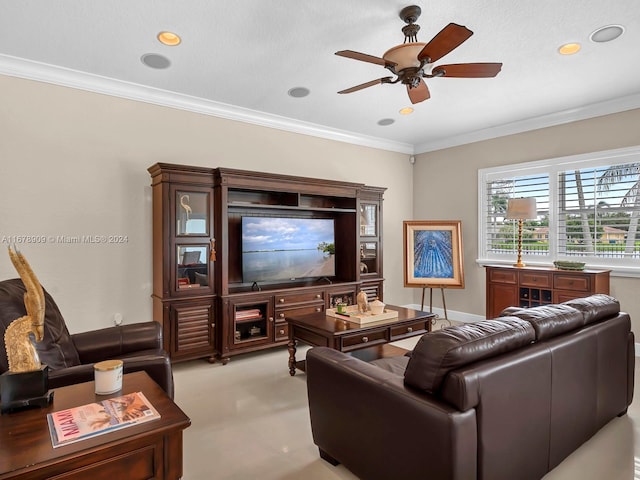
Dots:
pixel 184 203
pixel 26 384
pixel 363 303
pixel 21 353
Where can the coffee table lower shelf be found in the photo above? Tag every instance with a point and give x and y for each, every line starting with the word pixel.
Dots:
pixel 366 341
pixel 366 354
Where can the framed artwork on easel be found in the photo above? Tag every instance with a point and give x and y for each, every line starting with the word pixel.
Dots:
pixel 433 254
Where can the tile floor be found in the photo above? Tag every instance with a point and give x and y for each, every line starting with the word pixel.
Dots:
pixel 250 421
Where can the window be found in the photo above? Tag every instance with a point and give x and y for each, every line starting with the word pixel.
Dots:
pixel 588 208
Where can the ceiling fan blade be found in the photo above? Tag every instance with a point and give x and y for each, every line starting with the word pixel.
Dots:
pixel 363 57
pixel 449 38
pixel 418 94
pixel 467 70
pixel 367 84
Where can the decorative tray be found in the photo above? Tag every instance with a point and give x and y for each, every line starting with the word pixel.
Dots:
pixel 352 315
pixel 561 265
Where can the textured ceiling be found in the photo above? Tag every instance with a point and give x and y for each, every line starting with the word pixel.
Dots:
pixel 239 59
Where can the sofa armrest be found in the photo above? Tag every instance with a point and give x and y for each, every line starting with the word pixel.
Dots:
pixel 367 419
pixel 157 366
pixel 115 342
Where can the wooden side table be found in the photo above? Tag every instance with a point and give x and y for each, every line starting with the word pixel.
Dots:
pixel 151 450
pixel 319 329
pixel 509 286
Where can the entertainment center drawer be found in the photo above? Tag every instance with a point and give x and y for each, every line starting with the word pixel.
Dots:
pixel 373 337
pixel 503 276
pixel 535 279
pixel 581 283
pixel 282 331
pixel 412 329
pixel 299 297
pixel 283 313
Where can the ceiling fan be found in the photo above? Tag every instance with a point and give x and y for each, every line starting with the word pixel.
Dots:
pixel 409 60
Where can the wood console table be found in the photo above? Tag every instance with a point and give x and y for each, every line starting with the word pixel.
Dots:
pixel 318 329
pixel 531 286
pixel 151 450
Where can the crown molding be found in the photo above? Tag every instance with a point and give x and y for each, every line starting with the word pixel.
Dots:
pixel 558 118
pixel 41 72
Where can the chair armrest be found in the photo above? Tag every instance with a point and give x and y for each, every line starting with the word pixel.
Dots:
pixel 115 342
pixel 367 419
pixel 157 366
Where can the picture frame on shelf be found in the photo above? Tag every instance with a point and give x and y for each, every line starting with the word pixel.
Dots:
pixel 433 254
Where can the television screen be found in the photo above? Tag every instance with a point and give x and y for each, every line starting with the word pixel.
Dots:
pixel 280 248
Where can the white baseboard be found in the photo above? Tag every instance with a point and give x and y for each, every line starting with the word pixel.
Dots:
pixel 469 318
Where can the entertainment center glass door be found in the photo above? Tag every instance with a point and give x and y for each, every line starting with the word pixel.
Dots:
pixel 252 321
pixel 192 213
pixel 368 238
pixel 193 239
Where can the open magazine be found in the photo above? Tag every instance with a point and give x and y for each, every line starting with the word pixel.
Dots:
pixel 78 423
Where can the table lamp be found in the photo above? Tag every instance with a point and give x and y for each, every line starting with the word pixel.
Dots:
pixel 521 209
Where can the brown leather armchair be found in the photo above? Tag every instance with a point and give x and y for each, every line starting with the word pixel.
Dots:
pixel 71 357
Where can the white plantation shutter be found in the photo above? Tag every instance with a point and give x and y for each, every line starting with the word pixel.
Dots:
pixel 501 235
pixel 598 211
pixel 588 209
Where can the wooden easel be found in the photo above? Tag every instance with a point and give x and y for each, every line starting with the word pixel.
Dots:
pixel 444 303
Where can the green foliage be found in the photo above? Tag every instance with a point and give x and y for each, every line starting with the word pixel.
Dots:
pixel 329 248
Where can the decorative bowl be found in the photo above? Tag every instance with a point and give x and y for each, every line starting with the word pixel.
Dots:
pixel 377 307
pixel 562 265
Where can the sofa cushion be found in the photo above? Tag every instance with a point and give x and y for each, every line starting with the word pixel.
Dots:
pixel 595 307
pixel 549 320
pixel 56 349
pixel 439 352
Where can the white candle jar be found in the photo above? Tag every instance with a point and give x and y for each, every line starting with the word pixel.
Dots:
pixel 108 376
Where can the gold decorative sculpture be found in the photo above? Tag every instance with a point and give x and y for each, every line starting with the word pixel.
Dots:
pixel 21 354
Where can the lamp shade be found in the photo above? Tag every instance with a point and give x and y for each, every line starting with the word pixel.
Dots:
pixel 521 208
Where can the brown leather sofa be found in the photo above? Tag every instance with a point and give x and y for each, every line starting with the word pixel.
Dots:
pixel 71 357
pixel 507 398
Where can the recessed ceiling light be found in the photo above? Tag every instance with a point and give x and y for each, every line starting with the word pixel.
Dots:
pixel 607 33
pixel 298 92
pixel 169 38
pixel 385 121
pixel 569 48
pixel 154 60
pixel 406 111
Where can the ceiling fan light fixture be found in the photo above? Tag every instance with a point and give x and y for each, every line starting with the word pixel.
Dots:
pixel 569 48
pixel 404 55
pixel 406 111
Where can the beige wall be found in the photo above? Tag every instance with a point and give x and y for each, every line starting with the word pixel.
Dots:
pixel 75 163
pixel 446 188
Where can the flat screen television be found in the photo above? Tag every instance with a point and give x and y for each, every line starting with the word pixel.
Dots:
pixel 284 248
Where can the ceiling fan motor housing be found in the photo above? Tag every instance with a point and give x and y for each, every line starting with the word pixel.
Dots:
pixel 410 14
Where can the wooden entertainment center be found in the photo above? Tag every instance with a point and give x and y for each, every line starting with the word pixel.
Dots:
pixel 199 295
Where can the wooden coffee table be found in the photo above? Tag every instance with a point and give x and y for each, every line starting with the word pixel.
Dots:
pixel 149 450
pixel 319 329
